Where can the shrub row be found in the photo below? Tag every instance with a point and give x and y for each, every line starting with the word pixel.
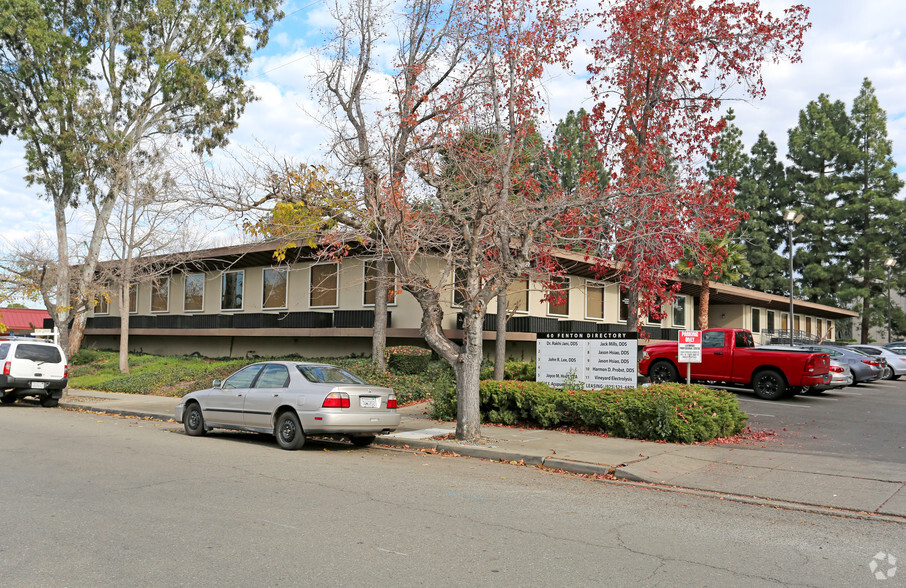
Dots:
pixel 662 412
pixel 407 359
pixel 522 371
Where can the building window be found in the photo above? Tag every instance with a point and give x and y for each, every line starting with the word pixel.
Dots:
pixel 797 323
pixel 623 315
pixel 679 311
pixel 808 325
pixel 231 288
pixel 133 298
pixel 558 297
pixel 102 305
pixel 370 284
pixel 274 285
pixel 594 300
pixel 459 291
pixel 770 321
pixel 517 296
pixel 160 294
pixel 194 295
pixel 323 285
pixel 820 328
pixel 756 320
pixel 655 316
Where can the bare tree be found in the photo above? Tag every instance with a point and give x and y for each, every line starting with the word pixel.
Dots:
pixel 150 225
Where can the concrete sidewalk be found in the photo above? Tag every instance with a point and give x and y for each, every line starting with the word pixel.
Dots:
pixel 804 480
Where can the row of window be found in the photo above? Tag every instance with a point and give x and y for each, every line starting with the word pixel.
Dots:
pixel 517 300
pixel 822 328
pixel 323 290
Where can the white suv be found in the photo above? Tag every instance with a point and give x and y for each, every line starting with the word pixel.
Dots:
pixel 32 367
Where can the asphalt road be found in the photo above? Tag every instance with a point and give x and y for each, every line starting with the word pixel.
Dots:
pixel 864 421
pixel 91 500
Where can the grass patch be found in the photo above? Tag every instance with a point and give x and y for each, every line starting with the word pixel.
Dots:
pixel 177 376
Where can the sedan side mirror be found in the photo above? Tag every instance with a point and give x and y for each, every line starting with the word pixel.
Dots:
pixel 216 384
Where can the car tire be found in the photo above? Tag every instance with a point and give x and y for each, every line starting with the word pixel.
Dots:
pixel 193 420
pixel 49 401
pixel 362 440
pixel 663 371
pixel 887 374
pixel 288 431
pixel 8 398
pixel 769 385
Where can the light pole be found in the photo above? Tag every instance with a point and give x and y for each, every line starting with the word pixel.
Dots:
pixel 792 218
pixel 889 264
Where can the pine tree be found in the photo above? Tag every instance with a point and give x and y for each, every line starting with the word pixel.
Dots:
pixel 762 193
pixel 820 149
pixel 872 216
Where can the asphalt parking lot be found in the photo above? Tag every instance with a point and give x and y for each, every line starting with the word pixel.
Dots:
pixel 865 421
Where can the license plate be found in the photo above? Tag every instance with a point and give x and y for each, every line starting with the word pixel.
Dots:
pixel 369 401
pixel 39 385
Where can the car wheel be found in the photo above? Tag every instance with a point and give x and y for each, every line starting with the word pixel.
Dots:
pixel 663 371
pixel 193 420
pixel 49 401
pixel 887 374
pixel 8 398
pixel 288 431
pixel 769 385
pixel 362 440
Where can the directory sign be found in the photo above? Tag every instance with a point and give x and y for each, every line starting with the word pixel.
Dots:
pixel 599 360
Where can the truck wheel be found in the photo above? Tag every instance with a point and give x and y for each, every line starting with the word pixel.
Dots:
pixel 769 385
pixel 8 397
pixel 663 371
pixel 49 401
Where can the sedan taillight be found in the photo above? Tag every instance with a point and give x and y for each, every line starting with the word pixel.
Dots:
pixel 836 369
pixel 336 400
pixel 391 401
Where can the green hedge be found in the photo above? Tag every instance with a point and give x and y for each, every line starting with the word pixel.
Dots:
pixel 523 371
pixel 408 359
pixel 661 412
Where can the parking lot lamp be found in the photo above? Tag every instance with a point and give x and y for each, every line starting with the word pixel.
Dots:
pixel 792 218
pixel 889 264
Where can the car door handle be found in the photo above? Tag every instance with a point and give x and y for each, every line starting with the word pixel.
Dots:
pixel 276 396
pixel 718 353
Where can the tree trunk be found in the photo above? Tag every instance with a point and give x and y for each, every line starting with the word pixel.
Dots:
pixel 500 341
pixel 76 333
pixel 704 303
pixel 632 318
pixel 124 328
pixel 468 376
pixel 379 333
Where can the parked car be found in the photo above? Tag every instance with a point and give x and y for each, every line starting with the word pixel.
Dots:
pixel 865 368
pixel 895 357
pixel 291 399
pixel 730 356
pixel 32 367
pixel 841 377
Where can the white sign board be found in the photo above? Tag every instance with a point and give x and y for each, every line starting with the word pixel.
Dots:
pixel 599 360
pixel 690 347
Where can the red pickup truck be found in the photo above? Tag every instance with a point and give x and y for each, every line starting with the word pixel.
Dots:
pixel 729 356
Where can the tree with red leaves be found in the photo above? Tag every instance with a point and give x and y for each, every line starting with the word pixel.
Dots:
pixel 660 73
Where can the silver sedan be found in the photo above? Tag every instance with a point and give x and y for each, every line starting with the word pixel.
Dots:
pixel 291 399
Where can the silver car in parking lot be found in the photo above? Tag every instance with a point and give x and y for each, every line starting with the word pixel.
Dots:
pixel 290 400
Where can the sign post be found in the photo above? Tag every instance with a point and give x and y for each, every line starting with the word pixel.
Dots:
pixel 690 350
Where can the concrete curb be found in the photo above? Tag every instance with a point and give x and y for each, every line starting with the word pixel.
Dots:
pixel 117 411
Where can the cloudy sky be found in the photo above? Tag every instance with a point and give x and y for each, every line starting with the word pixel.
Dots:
pixel 847 42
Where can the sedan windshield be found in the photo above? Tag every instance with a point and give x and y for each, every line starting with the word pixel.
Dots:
pixel 327 374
